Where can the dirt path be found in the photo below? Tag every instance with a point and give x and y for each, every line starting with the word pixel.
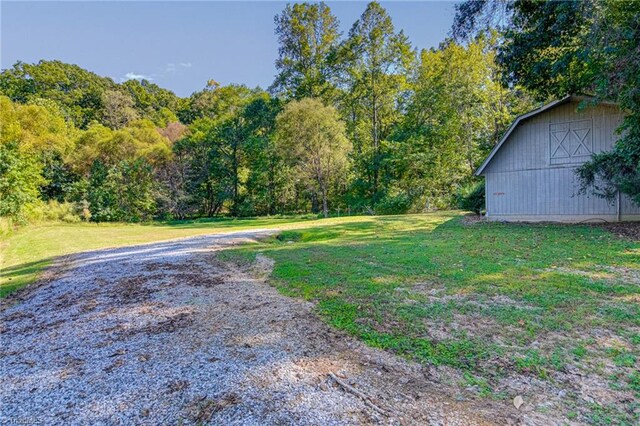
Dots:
pixel 165 333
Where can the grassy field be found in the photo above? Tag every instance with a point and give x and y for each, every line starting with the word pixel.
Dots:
pixel 509 308
pixel 26 252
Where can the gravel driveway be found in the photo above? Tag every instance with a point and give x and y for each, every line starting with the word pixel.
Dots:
pixel 166 333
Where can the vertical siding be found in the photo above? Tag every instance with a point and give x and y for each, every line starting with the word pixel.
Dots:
pixel 524 179
pixel 628 207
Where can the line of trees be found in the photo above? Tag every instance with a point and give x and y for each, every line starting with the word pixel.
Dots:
pixel 359 120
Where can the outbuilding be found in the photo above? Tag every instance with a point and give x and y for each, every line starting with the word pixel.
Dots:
pixel 530 174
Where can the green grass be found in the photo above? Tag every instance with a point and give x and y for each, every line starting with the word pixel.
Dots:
pixel 26 252
pixel 489 299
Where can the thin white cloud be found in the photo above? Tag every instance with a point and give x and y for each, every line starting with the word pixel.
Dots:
pixel 171 66
pixel 134 76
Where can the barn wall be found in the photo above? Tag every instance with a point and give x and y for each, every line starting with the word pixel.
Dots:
pixel 532 177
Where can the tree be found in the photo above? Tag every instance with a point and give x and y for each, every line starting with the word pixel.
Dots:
pixel 376 62
pixel 29 136
pixel 206 181
pixel 215 101
pixel 308 33
pixel 153 102
pixel 223 133
pixel 268 184
pixel 118 109
pixel 119 170
pixel 312 138
pixel 616 34
pixel 556 48
pixel 547 47
pixel 474 17
pixel 76 90
pixel 139 140
pixel 456 113
pixel 125 191
pixel 20 179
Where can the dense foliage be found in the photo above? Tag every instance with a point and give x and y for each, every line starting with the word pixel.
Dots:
pixel 313 142
pixel 472 198
pixel 360 122
pixel 555 48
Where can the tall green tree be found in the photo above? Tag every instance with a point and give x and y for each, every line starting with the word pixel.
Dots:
pixel 456 113
pixel 20 179
pixel 121 192
pixel 217 146
pixel 204 181
pixel 376 63
pixel 312 138
pixel 308 34
pixel 152 101
pixel 269 181
pixel 29 136
pixel 216 102
pixel 555 48
pixel 616 33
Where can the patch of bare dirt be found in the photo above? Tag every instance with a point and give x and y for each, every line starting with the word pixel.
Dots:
pixel 169 325
pixel 201 409
pixel 472 219
pixel 612 274
pixel 132 290
pixel 626 230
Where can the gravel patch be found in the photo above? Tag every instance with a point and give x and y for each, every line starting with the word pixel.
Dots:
pixel 165 333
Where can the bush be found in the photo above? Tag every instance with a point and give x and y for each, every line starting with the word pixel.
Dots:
pixel 394 204
pixel 289 236
pixel 52 211
pixel 472 198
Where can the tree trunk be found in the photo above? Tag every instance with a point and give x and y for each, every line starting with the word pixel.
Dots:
pixel 376 144
pixel 235 179
pixel 325 208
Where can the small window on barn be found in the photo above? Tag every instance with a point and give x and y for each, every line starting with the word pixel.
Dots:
pixel 570 142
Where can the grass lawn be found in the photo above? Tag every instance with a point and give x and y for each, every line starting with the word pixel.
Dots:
pixel 25 253
pixel 542 310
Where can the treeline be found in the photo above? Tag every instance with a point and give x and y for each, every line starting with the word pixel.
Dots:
pixel 359 121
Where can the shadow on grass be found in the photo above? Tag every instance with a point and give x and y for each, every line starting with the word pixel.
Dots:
pixel 15 277
pixel 228 222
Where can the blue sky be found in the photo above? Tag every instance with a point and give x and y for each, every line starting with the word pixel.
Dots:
pixel 181 45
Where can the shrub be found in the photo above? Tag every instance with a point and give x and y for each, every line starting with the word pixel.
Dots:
pixel 472 198
pixel 394 204
pixel 52 211
pixel 289 236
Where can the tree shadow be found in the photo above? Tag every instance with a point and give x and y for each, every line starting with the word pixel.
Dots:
pixel 15 277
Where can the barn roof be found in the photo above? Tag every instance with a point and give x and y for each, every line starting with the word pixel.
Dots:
pixel 568 98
